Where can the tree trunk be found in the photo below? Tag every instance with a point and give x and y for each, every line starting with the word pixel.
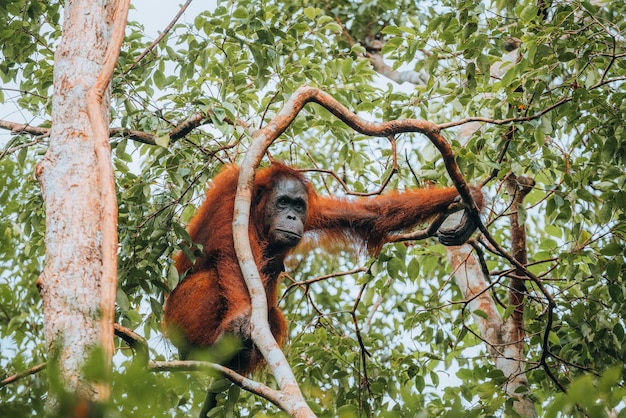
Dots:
pixel 496 333
pixel 77 293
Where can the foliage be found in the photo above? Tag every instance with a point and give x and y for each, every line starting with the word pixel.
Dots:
pixel 237 63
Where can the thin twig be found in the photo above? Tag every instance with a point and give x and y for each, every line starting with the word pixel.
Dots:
pixel 326 277
pixel 20 375
pixel 161 36
pixel 507 121
pixel 364 353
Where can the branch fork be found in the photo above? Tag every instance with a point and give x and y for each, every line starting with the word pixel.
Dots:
pixel 261 140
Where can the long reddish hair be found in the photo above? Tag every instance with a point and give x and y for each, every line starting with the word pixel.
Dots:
pixel 212 224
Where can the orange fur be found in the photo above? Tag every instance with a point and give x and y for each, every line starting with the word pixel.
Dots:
pixel 213 300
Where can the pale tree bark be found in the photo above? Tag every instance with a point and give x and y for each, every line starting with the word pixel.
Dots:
pixel 504 338
pixel 293 401
pixel 78 283
pixel 501 337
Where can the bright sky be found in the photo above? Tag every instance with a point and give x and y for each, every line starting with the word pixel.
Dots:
pixel 155 15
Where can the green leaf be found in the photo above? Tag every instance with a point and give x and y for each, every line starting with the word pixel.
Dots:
pixel 413 269
pixel 528 13
pixel 612 249
pixel 159 79
pixel 554 338
pixel 612 270
pixel 346 68
pixel 582 390
pixel 391 30
pixel 540 137
pixel 584 195
pixel 392 45
pixel 606 213
pixel 162 141
pixel 240 13
pixel 395 266
pixel 480 313
pixel 21 156
pixel 332 27
pixel 122 300
pixel 508 312
pixel 348 411
pixel 509 76
pixel 312 12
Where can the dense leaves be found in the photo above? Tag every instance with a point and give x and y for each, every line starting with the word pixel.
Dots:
pixel 393 339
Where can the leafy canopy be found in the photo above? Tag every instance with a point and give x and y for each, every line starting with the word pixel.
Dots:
pixel 556 71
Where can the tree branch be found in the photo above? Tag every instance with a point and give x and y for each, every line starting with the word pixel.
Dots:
pixel 20 375
pixel 506 353
pixel 261 140
pixel 272 395
pixel 373 47
pixel 135 341
pixel 518 188
pixel 179 131
pixel 11 150
pixel 265 136
pixel 140 346
pixel 514 327
pixel 507 121
pixel 379 65
pixel 307 283
pixel 21 128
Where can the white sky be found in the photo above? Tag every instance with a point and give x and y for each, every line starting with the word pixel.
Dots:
pixel 155 15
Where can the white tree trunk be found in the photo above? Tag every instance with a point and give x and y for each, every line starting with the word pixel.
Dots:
pixel 504 339
pixel 506 353
pixel 78 297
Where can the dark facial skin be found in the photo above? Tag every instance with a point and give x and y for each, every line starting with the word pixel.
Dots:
pixel 285 213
